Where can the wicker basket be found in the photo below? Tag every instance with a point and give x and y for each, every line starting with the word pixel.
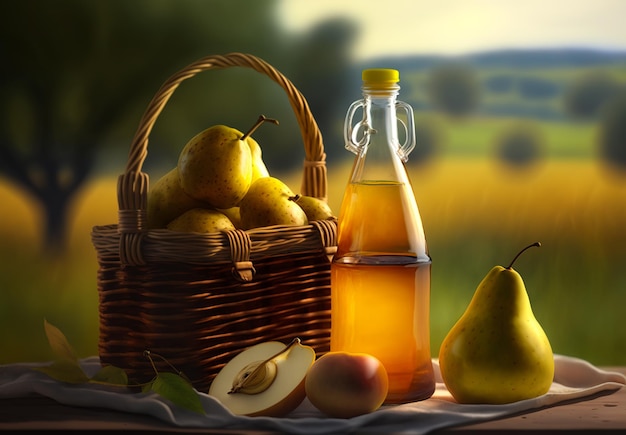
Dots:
pixel 199 299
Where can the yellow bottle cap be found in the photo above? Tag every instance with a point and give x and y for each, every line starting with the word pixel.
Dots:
pixel 380 76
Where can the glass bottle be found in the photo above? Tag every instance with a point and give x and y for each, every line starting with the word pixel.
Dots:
pixel 380 275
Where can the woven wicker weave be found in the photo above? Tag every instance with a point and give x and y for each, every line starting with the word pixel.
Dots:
pixel 199 299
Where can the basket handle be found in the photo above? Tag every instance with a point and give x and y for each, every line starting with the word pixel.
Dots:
pixel 132 187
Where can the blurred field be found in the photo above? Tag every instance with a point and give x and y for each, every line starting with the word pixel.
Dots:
pixel 476 213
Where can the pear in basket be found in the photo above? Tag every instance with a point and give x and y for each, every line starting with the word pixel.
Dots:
pixel 314 208
pixel 234 214
pixel 269 202
pixel 201 220
pixel 259 170
pixel 216 165
pixel 167 200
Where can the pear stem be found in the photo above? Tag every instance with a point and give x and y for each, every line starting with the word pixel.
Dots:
pixel 259 121
pixel 260 366
pixel 537 244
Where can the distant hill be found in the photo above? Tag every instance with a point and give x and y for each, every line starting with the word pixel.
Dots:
pixel 506 58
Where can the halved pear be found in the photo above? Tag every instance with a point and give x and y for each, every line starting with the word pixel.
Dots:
pixel 264 380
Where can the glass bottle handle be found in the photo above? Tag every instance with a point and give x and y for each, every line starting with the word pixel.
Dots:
pixel 351 133
pixel 409 130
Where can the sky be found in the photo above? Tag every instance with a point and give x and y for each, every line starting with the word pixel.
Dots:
pixel 400 27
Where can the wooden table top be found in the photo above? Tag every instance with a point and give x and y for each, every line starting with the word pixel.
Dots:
pixel 38 413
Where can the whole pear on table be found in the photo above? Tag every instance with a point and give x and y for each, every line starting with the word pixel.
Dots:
pixel 497 352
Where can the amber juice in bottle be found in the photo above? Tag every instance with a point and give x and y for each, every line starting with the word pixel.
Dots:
pixel 380 275
pixel 381 302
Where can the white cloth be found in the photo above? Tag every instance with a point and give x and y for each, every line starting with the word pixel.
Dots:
pixel 575 380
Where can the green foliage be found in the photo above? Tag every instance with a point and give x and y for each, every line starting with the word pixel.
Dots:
pixel 520 144
pixel 59 344
pixel 585 97
pixel 326 83
pixel 110 375
pixel 66 368
pixel 533 93
pixel 176 389
pixel 613 132
pixel 454 88
pixel 427 140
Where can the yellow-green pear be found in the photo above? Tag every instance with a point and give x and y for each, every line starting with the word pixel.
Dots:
pixel 201 220
pixel 215 166
pixel 497 352
pixel 218 165
pixel 269 202
pixel 259 170
pixel 234 214
pixel 314 208
pixel 167 200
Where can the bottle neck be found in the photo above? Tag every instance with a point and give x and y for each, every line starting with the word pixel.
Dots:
pixel 381 133
pixel 380 115
pixel 376 136
pixel 380 89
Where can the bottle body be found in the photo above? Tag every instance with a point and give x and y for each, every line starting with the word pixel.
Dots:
pixel 380 275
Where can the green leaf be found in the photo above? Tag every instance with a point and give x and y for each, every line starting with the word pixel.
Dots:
pixel 176 389
pixel 65 372
pixel 146 388
pixel 62 349
pixel 111 375
pixel 65 367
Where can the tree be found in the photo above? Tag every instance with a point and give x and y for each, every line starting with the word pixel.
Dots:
pixel 81 73
pixel 325 82
pixel 613 132
pixel 427 140
pixel 454 89
pixel 585 97
pixel 519 145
